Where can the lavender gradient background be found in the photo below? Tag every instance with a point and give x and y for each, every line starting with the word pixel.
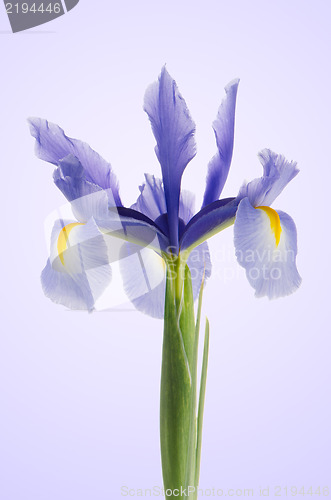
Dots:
pixel 79 392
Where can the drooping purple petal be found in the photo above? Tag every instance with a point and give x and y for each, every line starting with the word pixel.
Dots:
pixel 78 275
pixel 277 173
pixel 174 130
pixel 270 267
pixel 223 126
pixel 70 178
pixel 53 145
pixel 210 220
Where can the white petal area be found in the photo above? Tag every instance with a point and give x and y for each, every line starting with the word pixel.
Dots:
pixel 270 269
pixel 144 276
pixel 54 254
pixel 79 275
pixel 200 267
pixel 92 205
pixel 62 289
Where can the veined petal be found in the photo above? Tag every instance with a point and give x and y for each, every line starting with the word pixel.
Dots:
pixel 70 178
pixel 92 205
pixel 200 267
pixel 223 126
pixel 53 145
pixel 144 276
pixel 186 205
pixel 62 289
pixel 77 272
pixel 277 173
pixel 209 221
pixel 270 267
pixel 152 202
pixel 174 130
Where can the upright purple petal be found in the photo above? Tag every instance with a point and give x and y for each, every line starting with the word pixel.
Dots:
pixel 53 145
pixel 223 126
pixel 277 173
pixel 174 130
pixel 152 203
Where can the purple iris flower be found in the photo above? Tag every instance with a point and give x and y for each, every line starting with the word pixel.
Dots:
pixel 162 220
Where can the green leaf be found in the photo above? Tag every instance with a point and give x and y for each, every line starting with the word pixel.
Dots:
pixel 191 452
pixel 202 401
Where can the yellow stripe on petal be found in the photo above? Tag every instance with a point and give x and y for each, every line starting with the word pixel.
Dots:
pixel 274 222
pixel 62 242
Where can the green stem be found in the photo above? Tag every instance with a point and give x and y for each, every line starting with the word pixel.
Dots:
pixel 180 429
pixel 176 383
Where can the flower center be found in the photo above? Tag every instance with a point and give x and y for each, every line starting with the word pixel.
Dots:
pixel 63 239
pixel 274 222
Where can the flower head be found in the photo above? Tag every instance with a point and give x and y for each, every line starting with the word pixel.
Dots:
pixel 161 224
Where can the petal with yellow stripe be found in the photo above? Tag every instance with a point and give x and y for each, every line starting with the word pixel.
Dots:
pixel 78 270
pixel 266 246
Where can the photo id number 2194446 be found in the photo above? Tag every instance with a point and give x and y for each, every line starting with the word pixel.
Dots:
pixel 25 8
